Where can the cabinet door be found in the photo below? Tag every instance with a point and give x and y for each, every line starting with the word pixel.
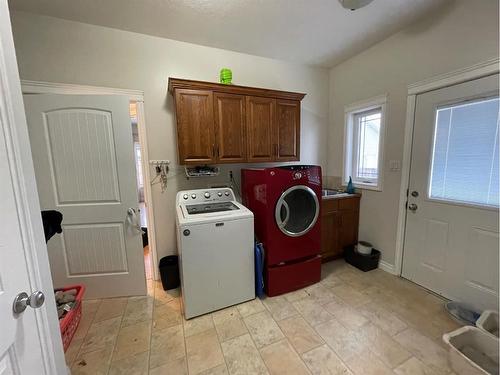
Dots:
pixel 348 233
pixel 287 130
pixel 195 126
pixel 329 235
pixel 230 129
pixel 260 124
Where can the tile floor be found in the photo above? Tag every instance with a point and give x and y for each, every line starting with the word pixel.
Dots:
pixel 349 323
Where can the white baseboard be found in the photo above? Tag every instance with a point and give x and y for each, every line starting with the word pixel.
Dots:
pixel 387 267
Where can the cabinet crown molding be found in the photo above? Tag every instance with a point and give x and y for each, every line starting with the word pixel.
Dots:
pixel 179 83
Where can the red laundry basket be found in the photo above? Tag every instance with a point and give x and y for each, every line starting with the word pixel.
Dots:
pixel 69 323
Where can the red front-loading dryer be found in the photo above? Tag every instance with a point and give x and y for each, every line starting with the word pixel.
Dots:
pixel 286 205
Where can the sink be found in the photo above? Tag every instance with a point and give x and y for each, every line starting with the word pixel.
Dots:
pixel 325 193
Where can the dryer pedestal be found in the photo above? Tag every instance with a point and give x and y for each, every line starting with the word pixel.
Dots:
pixel 292 276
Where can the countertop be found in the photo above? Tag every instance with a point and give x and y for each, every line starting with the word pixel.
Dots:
pixel 340 196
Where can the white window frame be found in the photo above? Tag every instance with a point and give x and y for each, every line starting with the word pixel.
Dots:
pixel 379 102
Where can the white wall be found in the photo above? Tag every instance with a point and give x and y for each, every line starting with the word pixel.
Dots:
pixel 459 35
pixel 50 49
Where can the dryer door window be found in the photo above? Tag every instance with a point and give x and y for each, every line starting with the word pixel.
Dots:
pixel 297 210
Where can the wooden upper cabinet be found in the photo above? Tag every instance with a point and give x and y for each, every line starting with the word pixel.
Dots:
pixel 219 123
pixel 261 120
pixel 230 128
pixel 195 126
pixel 287 136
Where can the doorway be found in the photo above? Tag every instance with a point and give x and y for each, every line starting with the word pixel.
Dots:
pixel 143 206
pixel 451 235
pixel 142 218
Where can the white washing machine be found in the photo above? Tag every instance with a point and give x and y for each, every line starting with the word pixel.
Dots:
pixel 215 239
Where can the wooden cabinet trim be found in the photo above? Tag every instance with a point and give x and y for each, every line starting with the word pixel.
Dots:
pixel 178 83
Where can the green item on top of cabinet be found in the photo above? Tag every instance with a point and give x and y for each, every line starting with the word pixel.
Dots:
pixel 350 186
pixel 226 75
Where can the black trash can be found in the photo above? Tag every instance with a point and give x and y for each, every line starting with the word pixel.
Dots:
pixel 169 272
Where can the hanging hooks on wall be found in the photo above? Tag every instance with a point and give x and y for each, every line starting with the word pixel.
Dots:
pixel 161 168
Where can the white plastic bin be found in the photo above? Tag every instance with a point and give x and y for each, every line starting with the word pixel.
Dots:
pixel 472 351
pixel 488 321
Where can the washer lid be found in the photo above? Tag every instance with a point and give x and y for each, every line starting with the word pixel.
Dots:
pixel 297 210
pixel 203 217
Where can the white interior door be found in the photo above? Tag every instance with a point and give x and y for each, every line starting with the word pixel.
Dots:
pixel 20 340
pixel 30 341
pixel 451 241
pixel 84 164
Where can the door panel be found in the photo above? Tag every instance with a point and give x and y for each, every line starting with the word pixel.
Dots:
pixel 330 234
pixel 85 168
pixel 260 126
pixel 451 239
pixel 481 274
pixel 195 126
pixel 288 130
pixel 108 253
pixel 348 228
pixel 230 126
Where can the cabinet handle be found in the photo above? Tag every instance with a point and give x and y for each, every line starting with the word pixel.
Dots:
pixel 213 150
pixel 218 151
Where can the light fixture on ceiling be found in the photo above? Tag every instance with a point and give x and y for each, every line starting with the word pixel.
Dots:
pixel 354 4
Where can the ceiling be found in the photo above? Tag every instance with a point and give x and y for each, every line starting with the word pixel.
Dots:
pixel 314 32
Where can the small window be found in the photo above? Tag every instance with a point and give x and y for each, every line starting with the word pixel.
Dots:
pixel 464 167
pixel 363 144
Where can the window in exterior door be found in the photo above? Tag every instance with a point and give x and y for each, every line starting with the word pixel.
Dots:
pixel 464 166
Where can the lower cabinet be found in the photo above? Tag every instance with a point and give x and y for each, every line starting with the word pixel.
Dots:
pixel 339 225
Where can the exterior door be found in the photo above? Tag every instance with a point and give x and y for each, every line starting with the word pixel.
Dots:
pixel 451 242
pixel 288 130
pixel 195 126
pixel 230 128
pixel 84 165
pixel 30 341
pixel 260 129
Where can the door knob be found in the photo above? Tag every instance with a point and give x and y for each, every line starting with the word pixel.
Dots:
pixel 22 301
pixel 412 207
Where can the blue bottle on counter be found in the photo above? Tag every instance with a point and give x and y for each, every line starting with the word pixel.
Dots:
pixel 350 186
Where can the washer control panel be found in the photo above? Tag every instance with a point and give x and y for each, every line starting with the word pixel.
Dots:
pixel 205 195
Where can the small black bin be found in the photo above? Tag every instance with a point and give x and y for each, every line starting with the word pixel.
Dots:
pixel 363 262
pixel 169 272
